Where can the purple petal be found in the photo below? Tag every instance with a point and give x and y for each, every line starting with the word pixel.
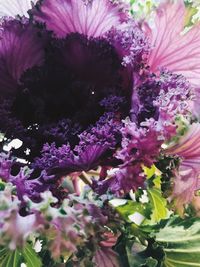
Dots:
pixel 89 157
pixel 20 49
pixel 65 161
pixel 92 18
pixel 93 144
pixel 125 179
pixel 25 184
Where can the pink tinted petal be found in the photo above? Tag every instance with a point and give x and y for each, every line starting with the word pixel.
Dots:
pixel 187 179
pixel 186 183
pixel 12 8
pixel 20 49
pixel 195 105
pixel 172 49
pixel 89 17
pixel 110 240
pixel 189 145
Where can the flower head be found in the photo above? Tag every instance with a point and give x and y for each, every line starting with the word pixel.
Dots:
pixel 78 70
pixel 54 91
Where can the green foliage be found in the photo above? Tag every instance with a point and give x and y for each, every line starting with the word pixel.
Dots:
pixel 142 8
pixel 2 185
pixel 167 165
pixel 14 258
pixel 158 205
pixel 171 243
pixel 30 257
pixel 180 240
pixel 153 176
pixel 138 256
pixel 131 207
pixel 10 258
pixel 135 254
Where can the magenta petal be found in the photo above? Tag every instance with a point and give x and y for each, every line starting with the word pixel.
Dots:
pixel 86 160
pixel 172 49
pixel 92 18
pixel 20 49
pixel 12 8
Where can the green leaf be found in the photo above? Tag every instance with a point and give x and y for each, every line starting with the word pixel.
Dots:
pixel 158 203
pixel 30 257
pixel 10 258
pixel 180 240
pixel 27 255
pixel 131 207
pixel 2 185
pixel 153 176
pixel 150 262
pixel 138 256
pixel 191 11
pixel 149 172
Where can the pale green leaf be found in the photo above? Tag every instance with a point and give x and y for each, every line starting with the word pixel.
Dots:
pixel 180 241
pixel 158 203
pixel 30 257
pixel 10 258
pixel 131 207
pixel 14 258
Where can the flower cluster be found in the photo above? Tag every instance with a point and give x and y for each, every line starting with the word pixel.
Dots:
pixel 67 229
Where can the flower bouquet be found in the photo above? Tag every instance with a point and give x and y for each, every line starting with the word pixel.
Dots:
pixel 99 133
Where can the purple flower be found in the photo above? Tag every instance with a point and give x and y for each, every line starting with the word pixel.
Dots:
pixel 68 80
pixel 71 72
pixel 153 123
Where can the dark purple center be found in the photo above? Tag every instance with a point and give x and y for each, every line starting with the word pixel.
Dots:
pixel 68 89
pixel 78 73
